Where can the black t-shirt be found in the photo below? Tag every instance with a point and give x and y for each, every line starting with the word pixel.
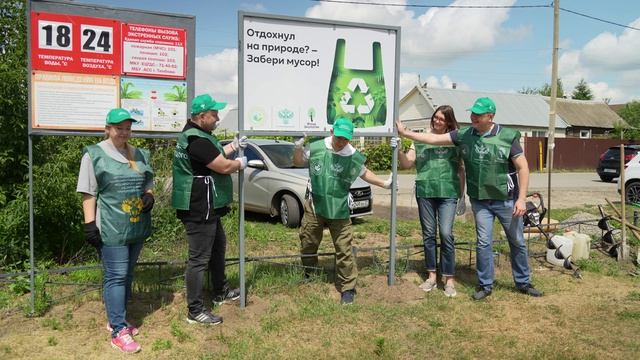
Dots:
pixel 201 153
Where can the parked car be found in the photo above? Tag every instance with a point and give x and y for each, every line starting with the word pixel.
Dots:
pixel 631 180
pixel 609 164
pixel 274 186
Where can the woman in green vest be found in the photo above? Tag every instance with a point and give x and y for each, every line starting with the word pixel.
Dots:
pixel 439 187
pixel 115 181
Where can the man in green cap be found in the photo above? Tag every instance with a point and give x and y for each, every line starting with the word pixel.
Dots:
pixel 497 180
pixel 333 166
pixel 202 191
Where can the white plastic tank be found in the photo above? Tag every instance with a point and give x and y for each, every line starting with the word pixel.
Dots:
pixel 560 249
pixel 581 245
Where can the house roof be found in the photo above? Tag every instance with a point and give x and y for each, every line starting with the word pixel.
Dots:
pixel 617 107
pixel 587 113
pixel 511 108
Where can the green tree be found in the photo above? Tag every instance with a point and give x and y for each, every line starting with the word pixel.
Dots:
pixel 544 90
pixel 529 90
pixel 582 91
pixel 631 115
pixel 13 96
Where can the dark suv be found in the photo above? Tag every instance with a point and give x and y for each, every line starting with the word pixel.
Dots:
pixel 609 164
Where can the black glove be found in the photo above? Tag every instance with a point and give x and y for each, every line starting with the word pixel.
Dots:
pixel 92 234
pixel 147 202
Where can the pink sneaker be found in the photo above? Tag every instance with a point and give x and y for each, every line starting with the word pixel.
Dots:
pixel 124 342
pixel 132 329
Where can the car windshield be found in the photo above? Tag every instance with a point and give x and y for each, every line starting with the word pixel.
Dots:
pixel 280 154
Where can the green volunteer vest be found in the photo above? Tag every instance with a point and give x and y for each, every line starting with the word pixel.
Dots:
pixel 331 177
pixel 222 187
pixel 486 161
pixel 357 94
pixel 119 197
pixel 437 171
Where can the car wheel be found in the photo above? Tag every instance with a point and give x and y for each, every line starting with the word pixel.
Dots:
pixel 606 178
pixel 633 192
pixel 289 211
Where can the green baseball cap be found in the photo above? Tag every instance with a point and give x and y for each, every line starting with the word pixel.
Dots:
pixel 204 102
pixel 482 106
pixel 344 128
pixel 118 115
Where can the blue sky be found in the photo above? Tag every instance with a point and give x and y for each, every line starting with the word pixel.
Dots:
pixel 498 50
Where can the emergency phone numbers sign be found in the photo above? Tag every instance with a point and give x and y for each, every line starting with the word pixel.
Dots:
pixel 88 45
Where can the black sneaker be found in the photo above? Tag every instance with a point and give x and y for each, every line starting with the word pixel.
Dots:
pixel 204 318
pixel 529 290
pixel 228 295
pixel 347 297
pixel 481 294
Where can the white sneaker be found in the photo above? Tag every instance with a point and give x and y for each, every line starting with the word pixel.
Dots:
pixel 450 290
pixel 428 285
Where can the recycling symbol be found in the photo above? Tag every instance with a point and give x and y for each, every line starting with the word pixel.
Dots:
pixel 354 84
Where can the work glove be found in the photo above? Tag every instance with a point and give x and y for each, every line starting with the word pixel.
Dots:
pixel 387 183
pixel 299 143
pixel 147 202
pixel 243 162
pixel 462 206
pixel 92 234
pixel 394 141
pixel 239 142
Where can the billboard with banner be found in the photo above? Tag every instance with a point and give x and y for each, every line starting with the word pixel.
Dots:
pixel 87 59
pixel 299 74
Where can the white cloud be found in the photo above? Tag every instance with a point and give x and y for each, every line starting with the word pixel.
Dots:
pixel 570 69
pixel 437 36
pixel 601 91
pixel 611 52
pixel 409 80
pixel 608 62
pixel 217 75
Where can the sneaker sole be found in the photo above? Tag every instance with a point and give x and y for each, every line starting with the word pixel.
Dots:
pixel 201 323
pixel 227 301
pixel 126 352
pixel 428 289
pixel 451 295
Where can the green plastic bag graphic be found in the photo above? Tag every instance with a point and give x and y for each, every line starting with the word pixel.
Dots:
pixel 358 95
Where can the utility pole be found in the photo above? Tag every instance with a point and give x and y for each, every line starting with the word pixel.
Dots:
pixel 552 103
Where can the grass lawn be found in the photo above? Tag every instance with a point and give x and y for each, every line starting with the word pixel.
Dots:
pixel 288 317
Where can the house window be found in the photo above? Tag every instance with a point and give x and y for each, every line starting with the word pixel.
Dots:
pixel 538 133
pixel 585 134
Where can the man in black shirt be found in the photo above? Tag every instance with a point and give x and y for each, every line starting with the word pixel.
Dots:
pixel 202 191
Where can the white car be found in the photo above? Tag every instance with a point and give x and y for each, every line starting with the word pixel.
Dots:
pixel 274 186
pixel 631 180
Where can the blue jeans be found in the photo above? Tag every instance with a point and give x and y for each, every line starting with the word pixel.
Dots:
pixel 442 211
pixel 117 265
pixel 485 211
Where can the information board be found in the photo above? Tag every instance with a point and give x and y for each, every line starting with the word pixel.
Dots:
pixel 300 74
pixel 87 59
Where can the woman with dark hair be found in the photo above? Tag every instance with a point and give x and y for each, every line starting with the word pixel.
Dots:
pixel 439 193
pixel 115 181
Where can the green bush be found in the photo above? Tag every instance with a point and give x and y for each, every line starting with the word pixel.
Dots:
pixel 378 157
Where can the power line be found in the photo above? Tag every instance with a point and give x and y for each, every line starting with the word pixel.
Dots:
pixel 435 6
pixel 353 2
pixel 599 19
